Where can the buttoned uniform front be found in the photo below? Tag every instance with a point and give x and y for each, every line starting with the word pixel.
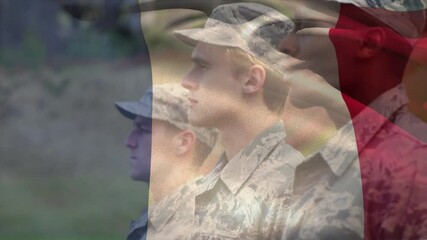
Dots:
pixel 247 197
pixel 387 162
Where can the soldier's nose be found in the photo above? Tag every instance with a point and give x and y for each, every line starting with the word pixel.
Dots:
pixel 188 82
pixel 130 141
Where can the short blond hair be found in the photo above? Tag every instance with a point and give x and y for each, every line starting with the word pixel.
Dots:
pixel 275 89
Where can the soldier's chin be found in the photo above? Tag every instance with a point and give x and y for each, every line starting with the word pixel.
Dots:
pixel 140 176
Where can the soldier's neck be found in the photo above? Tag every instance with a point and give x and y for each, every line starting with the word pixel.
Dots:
pixel 238 134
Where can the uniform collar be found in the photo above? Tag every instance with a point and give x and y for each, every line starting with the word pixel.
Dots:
pixel 207 183
pixel 241 166
pixel 342 149
pixel 160 213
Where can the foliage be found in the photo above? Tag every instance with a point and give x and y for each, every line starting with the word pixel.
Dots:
pixel 31 53
pixel 64 173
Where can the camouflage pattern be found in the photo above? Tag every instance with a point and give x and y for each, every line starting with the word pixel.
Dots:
pixel 169 219
pixel 410 21
pixel 254 28
pixel 167 102
pixel 392 5
pixel 412 125
pixel 401 117
pixel 247 197
pixel 384 160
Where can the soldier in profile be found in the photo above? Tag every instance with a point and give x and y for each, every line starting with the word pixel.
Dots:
pixel 235 85
pixel 166 152
pixel 368 181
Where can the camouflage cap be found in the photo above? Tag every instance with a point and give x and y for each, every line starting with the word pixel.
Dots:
pixel 410 20
pixel 392 5
pixel 251 27
pixel 166 102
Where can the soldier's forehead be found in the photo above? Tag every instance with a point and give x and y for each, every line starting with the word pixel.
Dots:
pixel 208 53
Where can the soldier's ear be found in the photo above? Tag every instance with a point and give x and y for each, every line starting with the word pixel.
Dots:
pixel 184 142
pixel 254 80
pixel 373 40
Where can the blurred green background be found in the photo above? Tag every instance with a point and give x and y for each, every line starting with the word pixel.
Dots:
pixel 63 163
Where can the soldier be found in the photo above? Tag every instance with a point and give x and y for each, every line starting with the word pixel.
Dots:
pixel 234 86
pixel 415 80
pixel 163 138
pixel 368 181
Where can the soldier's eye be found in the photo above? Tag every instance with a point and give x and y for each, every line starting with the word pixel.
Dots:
pixel 142 128
pixel 201 65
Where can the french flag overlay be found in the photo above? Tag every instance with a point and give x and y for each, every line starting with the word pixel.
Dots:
pixel 293 120
pixel 386 97
pixel 392 151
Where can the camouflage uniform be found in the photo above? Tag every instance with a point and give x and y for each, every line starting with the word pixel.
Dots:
pixel 391 164
pixel 247 197
pixel 169 219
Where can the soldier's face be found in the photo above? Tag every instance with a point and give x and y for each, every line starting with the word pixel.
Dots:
pixel 139 144
pixel 150 147
pixel 214 93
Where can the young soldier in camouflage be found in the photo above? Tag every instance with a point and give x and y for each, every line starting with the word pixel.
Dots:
pixel 235 86
pixel 166 152
pixel 368 181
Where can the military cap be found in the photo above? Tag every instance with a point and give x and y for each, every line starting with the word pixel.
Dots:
pixel 392 5
pixel 169 103
pixel 251 27
pixel 406 17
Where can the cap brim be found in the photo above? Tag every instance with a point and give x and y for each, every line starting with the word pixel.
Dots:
pixel 210 36
pixel 132 109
